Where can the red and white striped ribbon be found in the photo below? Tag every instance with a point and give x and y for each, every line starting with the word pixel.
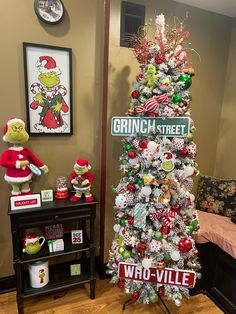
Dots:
pixel 163 99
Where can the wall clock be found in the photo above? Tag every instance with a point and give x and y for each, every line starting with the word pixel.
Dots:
pixel 49 11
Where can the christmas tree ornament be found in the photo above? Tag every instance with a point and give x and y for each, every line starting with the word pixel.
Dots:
pixel 158 235
pixel 121 249
pixel 153 298
pixel 167 161
pixel 113 189
pixel 121 201
pixel 190 137
pixel 175 255
pixel 152 146
pixel 186 79
pixel 128 146
pixel 140 213
pixel 165 229
pixel 132 153
pixel 146 263
pixel 133 161
pixel 154 246
pixel 185 245
pixel 183 152
pixel 130 220
pixel 146 190
pixel 135 94
pixel 177 99
pixel 135 296
pixel 160 58
pixel 178 302
pixel 121 284
pixel 131 187
pixel 178 143
pixel 126 254
pixel 141 246
pixel 122 222
pixel 175 207
pixel 143 144
pixel 140 181
pixel 116 228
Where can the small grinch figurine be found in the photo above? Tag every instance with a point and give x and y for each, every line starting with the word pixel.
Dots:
pixel 20 162
pixel 81 178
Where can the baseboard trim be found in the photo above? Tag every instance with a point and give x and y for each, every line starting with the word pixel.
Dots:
pixel 7 284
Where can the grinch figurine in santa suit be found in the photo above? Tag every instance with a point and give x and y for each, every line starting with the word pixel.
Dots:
pixel 81 179
pixel 18 160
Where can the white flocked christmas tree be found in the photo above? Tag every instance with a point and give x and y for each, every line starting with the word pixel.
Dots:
pixel 155 217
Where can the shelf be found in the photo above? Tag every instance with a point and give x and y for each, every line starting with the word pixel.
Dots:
pixel 59 279
pixel 69 248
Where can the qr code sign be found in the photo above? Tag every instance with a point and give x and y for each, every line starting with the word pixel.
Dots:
pixel 77 236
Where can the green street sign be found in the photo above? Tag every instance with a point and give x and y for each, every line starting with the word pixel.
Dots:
pixel 170 127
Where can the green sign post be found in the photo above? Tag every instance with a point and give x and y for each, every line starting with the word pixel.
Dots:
pixel 170 127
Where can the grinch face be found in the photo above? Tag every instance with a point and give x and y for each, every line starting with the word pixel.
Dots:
pixel 16 133
pixel 49 79
pixel 80 170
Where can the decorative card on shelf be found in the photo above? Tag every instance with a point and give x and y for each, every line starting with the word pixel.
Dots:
pixel 75 269
pixel 140 213
pixel 54 231
pixel 55 245
pixel 47 195
pixel 77 236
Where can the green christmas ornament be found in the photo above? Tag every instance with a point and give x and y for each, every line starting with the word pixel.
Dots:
pixel 142 99
pixel 190 228
pixel 167 257
pixel 140 182
pixel 190 136
pixel 124 161
pixel 177 99
pixel 113 189
pixel 122 222
pixel 158 235
pixel 153 298
pixel 128 147
pixel 186 79
pixel 120 241
pixel 126 254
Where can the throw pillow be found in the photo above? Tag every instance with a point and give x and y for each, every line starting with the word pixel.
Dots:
pixel 216 196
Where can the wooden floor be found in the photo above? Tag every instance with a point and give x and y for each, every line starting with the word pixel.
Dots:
pixel 109 300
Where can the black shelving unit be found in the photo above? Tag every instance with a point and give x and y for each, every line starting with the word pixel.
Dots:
pixel 63 212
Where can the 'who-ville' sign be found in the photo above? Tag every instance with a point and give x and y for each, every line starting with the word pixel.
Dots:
pixel 170 127
pixel 168 276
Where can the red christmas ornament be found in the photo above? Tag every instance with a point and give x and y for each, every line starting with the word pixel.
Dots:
pixel 131 187
pixel 121 284
pixel 141 246
pixel 130 220
pixel 175 207
pixel 135 94
pixel 143 144
pixel 140 77
pixel 135 296
pixel 185 245
pixel 132 153
pixel 152 114
pixel 159 58
pixel 165 229
pixel 183 152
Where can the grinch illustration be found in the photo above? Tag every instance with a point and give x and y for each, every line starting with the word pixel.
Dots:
pixel 49 97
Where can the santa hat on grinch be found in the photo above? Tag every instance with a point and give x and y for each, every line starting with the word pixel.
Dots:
pixel 9 122
pixel 82 163
pixel 47 64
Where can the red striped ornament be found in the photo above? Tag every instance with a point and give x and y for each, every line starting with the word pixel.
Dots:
pixel 150 106
pixel 163 99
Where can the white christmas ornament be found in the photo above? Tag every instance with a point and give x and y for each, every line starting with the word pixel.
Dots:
pixel 146 263
pixel 146 190
pixel 177 302
pixel 188 171
pixel 175 255
pixel 116 228
pixel 152 146
pixel 121 201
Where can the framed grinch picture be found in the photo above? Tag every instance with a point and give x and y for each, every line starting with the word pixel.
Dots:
pixel 48 89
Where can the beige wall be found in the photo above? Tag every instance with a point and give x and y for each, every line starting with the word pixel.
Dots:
pixel 210 37
pixel 226 149
pixel 80 30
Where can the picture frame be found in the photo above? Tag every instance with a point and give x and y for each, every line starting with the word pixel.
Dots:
pixel 48 89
